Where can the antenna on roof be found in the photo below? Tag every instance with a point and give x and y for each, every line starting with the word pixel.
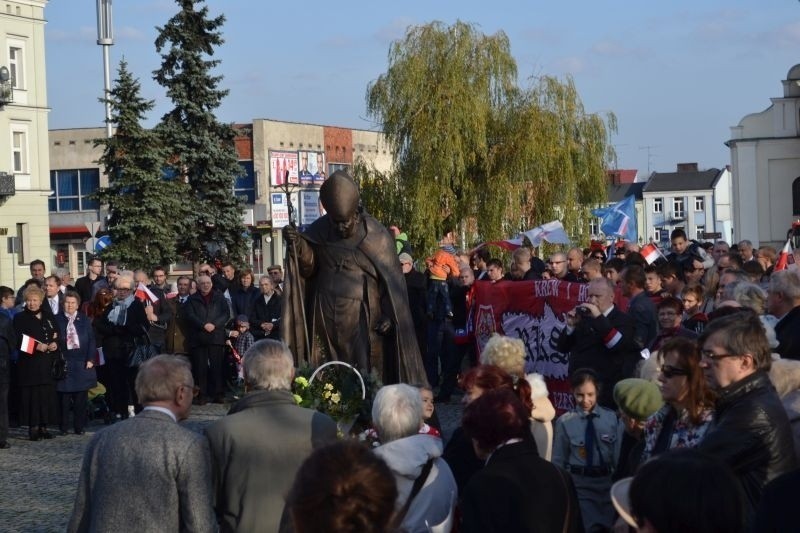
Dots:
pixel 650 155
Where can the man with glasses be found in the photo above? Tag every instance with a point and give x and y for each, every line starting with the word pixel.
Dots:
pixel 149 473
pixel 84 284
pixel 751 431
pixel 557 264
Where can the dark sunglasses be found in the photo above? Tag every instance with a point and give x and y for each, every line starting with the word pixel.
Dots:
pixel 670 371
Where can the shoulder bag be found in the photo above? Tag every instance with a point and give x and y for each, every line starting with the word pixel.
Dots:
pixel 143 350
pixel 59 368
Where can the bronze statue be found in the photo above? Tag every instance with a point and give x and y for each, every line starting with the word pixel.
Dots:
pixel 344 281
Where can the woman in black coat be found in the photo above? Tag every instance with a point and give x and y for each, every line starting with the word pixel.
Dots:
pixel 37 387
pixel 122 323
pixel 244 293
pixel 78 346
pixel 517 490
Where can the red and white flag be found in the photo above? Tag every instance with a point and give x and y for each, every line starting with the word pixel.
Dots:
pixel 28 344
pixel 651 253
pixel 785 258
pixel 144 294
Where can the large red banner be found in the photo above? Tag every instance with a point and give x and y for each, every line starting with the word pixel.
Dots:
pixel 533 311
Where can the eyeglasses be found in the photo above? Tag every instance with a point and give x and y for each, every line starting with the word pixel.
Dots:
pixel 195 389
pixel 708 354
pixel 670 371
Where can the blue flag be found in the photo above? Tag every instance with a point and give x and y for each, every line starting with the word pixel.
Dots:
pixel 619 220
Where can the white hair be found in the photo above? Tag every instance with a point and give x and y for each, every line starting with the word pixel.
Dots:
pixel 268 365
pixel 397 412
pixel 538 386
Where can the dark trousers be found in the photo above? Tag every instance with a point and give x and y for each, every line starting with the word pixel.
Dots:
pixel 13 395
pixel 207 369
pixel 117 386
pixel 3 411
pixel 75 402
pixel 440 335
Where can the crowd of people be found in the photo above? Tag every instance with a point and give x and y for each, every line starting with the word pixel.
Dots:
pixel 684 374
pixel 696 349
pixel 91 330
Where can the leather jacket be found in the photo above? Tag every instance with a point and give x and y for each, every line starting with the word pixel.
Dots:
pixel 751 434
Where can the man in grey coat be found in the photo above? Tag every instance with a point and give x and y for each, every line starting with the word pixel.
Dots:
pixel 258 447
pixel 148 473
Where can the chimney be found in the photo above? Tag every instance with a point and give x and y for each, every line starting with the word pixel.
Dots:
pixel 687 167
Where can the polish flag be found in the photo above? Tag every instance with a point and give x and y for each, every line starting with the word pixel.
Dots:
pixel 785 258
pixel 28 344
pixel 144 294
pixel 650 253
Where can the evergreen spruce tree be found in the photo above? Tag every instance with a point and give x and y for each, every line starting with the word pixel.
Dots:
pixel 141 203
pixel 202 149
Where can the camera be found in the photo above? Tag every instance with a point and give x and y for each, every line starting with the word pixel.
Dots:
pixel 583 311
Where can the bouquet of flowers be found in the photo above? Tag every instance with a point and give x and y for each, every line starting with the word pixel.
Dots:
pixel 336 389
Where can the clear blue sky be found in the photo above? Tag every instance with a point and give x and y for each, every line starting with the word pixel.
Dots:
pixel 677 74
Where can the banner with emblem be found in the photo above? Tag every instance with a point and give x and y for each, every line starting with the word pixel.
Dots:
pixel 533 311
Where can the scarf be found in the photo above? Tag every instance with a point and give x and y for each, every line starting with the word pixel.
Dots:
pixel 119 313
pixel 73 342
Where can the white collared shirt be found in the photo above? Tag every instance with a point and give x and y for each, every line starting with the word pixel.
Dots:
pixel 161 410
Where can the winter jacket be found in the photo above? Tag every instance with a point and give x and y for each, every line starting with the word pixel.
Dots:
pixel 435 501
pixel 751 434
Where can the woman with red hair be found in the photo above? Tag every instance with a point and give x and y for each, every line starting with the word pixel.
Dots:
pixel 459 453
pixel 517 490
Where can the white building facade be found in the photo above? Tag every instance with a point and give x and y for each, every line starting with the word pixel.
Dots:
pixel 685 199
pixel 24 160
pixel 765 157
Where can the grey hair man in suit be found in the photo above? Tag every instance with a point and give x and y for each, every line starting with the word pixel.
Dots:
pixel 148 473
pixel 258 447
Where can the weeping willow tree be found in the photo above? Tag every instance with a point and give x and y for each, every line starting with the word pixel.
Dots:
pixel 471 146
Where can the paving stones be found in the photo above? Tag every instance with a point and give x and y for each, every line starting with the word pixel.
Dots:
pixel 38 479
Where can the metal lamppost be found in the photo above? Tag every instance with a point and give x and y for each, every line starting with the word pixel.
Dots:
pixel 105 38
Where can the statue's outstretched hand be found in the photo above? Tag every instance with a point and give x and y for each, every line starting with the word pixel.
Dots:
pixel 384 326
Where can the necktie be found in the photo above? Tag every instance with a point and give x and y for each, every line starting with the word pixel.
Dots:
pixel 54 305
pixel 72 335
pixel 183 299
pixel 589 438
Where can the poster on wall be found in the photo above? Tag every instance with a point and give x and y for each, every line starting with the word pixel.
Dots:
pixel 311 167
pixel 280 209
pixel 311 209
pixel 279 163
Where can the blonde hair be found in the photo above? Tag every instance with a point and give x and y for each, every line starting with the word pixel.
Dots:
pixel 507 353
pixel 785 376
